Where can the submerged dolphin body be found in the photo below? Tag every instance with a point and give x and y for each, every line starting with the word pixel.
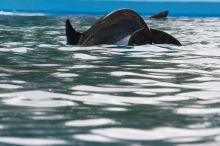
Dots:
pixel 116 26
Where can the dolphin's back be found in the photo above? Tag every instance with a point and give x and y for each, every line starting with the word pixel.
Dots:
pixel 112 28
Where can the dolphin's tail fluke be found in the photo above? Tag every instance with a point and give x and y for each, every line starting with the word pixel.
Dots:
pixel 160 37
pixel 140 37
pixel 145 36
pixel 160 15
pixel 72 35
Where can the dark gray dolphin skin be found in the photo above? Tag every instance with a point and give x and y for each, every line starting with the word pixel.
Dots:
pixel 115 26
pixel 72 35
pixel 160 15
pixel 160 37
pixel 108 30
pixel 142 37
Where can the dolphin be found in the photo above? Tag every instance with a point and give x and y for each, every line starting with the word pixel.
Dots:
pixel 107 30
pixel 115 26
pixel 160 15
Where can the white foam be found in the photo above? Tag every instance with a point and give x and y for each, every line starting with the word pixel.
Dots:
pixel 93 138
pixel 31 141
pixel 89 122
pixel 85 56
pixel 35 99
pixel 64 75
pixel 38 98
pixel 9 86
pixel 161 133
pixel 20 14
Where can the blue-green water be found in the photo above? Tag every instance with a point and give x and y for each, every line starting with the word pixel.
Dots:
pixel 152 95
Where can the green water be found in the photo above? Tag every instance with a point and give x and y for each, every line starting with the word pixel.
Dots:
pixel 159 95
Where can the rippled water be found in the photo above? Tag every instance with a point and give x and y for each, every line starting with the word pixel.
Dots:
pixel 54 94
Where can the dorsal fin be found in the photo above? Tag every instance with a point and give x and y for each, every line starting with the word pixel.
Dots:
pixel 160 37
pixel 72 35
pixel 140 37
pixel 162 14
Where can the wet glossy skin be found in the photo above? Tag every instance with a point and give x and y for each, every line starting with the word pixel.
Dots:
pixel 114 27
pixel 109 29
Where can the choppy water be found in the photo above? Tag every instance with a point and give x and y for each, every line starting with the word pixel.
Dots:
pixel 161 95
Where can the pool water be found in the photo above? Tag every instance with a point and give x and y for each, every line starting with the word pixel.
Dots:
pixel 159 95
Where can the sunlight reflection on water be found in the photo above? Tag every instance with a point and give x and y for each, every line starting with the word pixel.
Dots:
pixel 55 94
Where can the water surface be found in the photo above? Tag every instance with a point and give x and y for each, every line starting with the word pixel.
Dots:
pixel 54 94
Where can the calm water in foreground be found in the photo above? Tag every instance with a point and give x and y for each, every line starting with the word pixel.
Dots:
pixel 152 95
